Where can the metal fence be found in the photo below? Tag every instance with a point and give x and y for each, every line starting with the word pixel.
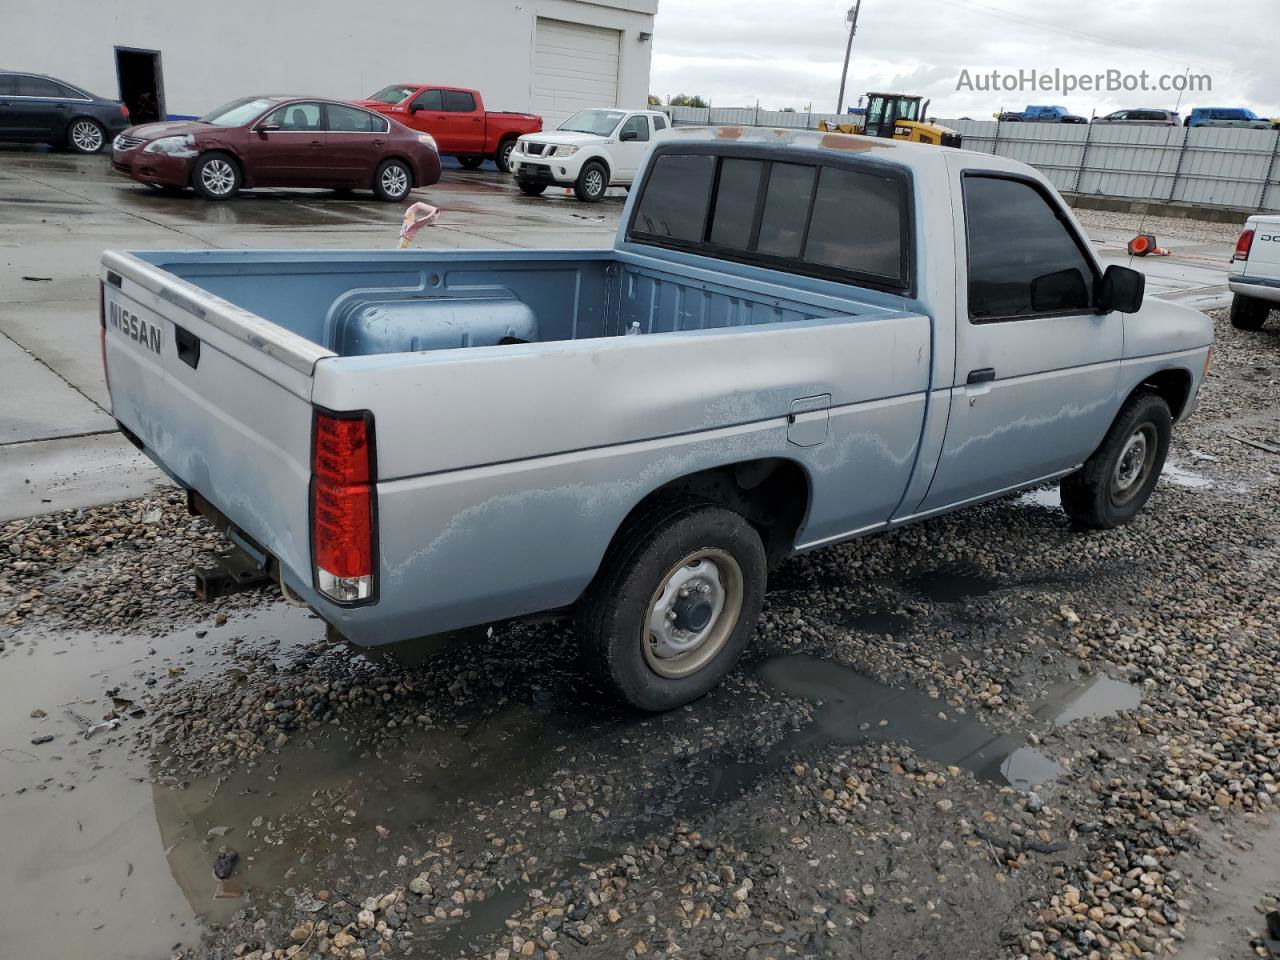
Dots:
pixel 1198 165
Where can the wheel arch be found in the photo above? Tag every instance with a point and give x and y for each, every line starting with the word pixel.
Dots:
pixel 1172 384
pixel 603 160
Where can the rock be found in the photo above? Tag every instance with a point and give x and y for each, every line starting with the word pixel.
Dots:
pixel 224 864
pixel 45 738
pixel 37 713
pixel 218 831
pixel 421 885
pixel 365 919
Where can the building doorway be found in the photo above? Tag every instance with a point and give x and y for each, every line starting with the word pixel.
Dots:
pixel 141 83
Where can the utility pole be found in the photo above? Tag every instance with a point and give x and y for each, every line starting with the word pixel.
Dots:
pixel 852 18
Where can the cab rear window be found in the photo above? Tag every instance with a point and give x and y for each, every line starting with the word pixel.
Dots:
pixel 846 221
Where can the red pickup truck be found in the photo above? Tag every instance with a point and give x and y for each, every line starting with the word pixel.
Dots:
pixel 457 119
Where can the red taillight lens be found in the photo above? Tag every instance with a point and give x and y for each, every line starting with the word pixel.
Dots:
pixel 342 504
pixel 124 111
pixel 1243 245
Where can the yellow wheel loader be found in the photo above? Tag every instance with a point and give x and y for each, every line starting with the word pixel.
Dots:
pixel 897 116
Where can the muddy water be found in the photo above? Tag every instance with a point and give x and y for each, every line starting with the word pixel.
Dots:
pixel 1101 696
pixel 86 872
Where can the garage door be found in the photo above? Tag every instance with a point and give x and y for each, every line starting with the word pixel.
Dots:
pixel 575 66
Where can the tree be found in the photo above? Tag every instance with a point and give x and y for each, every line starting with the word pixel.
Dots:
pixel 684 100
pixel 655 101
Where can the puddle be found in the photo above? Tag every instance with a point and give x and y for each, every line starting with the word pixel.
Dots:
pixel 875 621
pixel 1047 497
pixel 952 586
pixel 1184 478
pixel 1100 697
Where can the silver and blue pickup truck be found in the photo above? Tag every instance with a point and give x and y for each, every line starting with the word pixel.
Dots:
pixel 796 339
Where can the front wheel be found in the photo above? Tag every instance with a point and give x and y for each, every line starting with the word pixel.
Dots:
pixel 592 182
pixel 216 177
pixel 86 136
pixel 393 181
pixel 502 159
pixel 674 604
pixel 1248 313
pixel 532 189
pixel 1114 483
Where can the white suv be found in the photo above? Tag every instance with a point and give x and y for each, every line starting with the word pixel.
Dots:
pixel 591 151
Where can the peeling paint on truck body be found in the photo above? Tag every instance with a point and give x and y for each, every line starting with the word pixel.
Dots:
pixel 504 470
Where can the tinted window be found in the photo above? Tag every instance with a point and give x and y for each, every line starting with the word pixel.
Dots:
pixel 296 116
pixel 429 100
pixel 8 85
pixel 639 125
pixel 1023 260
pixel 343 119
pixel 858 223
pixel 675 197
pixel 736 197
pixel 786 209
pixel 459 101
pixel 659 123
pixel 37 87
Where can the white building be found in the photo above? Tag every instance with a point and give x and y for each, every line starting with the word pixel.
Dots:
pixel 549 57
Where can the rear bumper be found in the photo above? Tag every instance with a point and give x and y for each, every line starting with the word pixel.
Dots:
pixel 1260 288
pixel 152 168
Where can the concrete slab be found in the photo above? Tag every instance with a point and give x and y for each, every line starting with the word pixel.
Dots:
pixel 37 404
pixel 49 475
pixel 64 335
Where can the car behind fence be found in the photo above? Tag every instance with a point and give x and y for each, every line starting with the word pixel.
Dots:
pixel 1213 166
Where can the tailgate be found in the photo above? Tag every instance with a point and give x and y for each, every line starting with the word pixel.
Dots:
pixel 219 398
pixel 1264 254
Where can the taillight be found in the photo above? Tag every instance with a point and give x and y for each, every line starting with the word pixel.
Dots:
pixel 1243 245
pixel 124 111
pixel 342 506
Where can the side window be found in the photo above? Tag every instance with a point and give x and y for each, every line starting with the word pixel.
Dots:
pixel 36 87
pixel 1023 259
pixel 428 100
pixel 344 119
pixel 736 198
pixel 8 85
pixel 459 101
pixel 786 209
pixel 659 123
pixel 638 125
pixel 872 241
pixel 66 93
pixel 296 117
pixel 675 199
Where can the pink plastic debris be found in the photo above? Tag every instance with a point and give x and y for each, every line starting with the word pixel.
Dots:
pixel 416 217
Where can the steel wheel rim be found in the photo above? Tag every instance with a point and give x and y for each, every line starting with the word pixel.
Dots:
pixel 1135 463
pixel 218 177
pixel 675 646
pixel 595 182
pixel 395 180
pixel 87 136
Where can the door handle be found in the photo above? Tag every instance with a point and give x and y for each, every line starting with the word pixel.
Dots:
pixel 985 375
pixel 378 143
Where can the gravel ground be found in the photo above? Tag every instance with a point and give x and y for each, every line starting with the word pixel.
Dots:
pixel 983 736
pixel 1165 228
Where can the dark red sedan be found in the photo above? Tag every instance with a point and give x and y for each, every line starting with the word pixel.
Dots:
pixel 279 142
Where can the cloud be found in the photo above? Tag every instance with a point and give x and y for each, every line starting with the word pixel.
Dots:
pixel 790 54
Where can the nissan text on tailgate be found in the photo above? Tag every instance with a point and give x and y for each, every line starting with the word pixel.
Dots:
pixel 795 339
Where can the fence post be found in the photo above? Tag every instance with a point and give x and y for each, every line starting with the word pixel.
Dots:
pixel 1266 178
pixel 1084 155
pixel 1182 152
pixel 995 143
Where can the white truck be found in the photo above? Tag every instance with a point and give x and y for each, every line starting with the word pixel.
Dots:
pixel 1255 272
pixel 591 151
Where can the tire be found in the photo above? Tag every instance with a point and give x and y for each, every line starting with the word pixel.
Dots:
pixel 689 542
pixel 502 159
pixel 216 176
pixel 86 136
pixel 1248 313
pixel 1112 486
pixel 471 163
pixel 393 180
pixel 593 181
pixel 531 189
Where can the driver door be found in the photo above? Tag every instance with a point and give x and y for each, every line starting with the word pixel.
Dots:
pixel 1037 368
pixel 287 146
pixel 633 143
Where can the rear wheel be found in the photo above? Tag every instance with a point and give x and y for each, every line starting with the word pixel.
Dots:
pixel 86 136
pixel 593 181
pixel 393 181
pixel 502 159
pixel 1114 483
pixel 674 604
pixel 1248 313
pixel 532 189
pixel 216 176
pixel 471 163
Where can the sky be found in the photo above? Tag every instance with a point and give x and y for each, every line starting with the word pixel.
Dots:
pixel 788 53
